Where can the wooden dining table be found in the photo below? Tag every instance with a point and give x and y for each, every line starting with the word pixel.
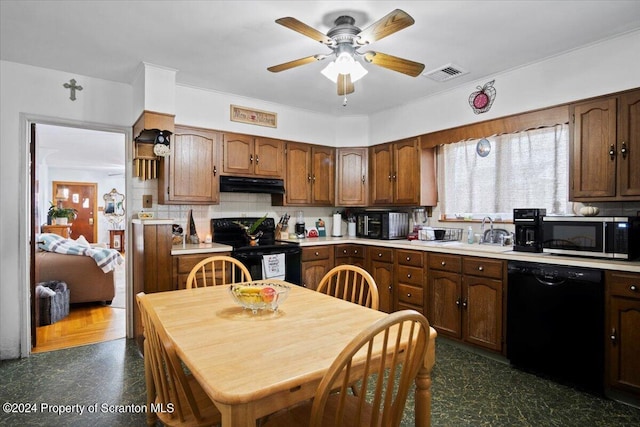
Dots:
pixel 253 364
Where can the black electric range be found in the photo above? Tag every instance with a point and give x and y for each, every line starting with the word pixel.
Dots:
pixel 231 231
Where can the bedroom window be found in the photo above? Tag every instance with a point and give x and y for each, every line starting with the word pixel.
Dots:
pixel 527 169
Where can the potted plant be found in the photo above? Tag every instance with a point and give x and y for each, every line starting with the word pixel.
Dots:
pixel 60 215
pixel 251 231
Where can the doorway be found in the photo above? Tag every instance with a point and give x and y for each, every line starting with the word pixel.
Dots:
pixel 83 163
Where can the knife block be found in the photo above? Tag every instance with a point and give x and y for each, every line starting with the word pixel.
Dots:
pixel 281 232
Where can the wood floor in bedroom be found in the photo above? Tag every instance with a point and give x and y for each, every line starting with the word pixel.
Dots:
pixel 86 324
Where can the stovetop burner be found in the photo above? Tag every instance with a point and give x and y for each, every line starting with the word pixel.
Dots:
pixel 230 231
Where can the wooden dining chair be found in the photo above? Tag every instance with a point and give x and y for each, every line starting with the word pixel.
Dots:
pixel 350 283
pixel 173 396
pixel 384 382
pixel 217 270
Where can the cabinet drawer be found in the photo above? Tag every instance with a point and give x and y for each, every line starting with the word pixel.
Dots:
pixel 355 251
pixel 624 284
pixel 411 275
pixel 482 267
pixel 452 263
pixel 316 252
pixel 413 258
pixel 410 295
pixel 381 254
pixel 185 263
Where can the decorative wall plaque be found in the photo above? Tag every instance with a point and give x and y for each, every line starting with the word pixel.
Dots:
pixel 253 116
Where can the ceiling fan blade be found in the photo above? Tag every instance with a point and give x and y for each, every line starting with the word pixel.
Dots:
pixel 345 86
pixel 394 63
pixel 389 24
pixel 296 63
pixel 304 29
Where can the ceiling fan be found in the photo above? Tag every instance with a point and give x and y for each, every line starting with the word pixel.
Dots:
pixel 344 39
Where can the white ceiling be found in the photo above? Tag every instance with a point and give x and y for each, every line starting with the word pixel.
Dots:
pixel 228 45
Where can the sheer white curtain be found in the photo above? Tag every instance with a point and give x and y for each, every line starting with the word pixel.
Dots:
pixel 527 169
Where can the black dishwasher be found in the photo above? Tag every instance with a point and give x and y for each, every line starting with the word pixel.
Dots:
pixel 555 322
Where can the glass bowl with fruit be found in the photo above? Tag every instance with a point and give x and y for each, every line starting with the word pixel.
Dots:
pixel 256 296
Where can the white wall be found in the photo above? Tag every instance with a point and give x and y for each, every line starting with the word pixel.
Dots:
pixel 600 69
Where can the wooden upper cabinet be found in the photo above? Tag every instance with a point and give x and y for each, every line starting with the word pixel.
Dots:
pixel 352 182
pixel 246 155
pixel 605 145
pixel 402 173
pixel 629 147
pixel 190 175
pixel 309 176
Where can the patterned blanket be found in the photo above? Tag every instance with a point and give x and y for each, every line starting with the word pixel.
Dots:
pixel 107 259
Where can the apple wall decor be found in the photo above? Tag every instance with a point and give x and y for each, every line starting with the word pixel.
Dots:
pixel 482 99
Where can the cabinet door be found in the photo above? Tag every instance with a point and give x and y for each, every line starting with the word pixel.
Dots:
pixel 445 303
pixel 482 311
pixel 352 182
pixel 192 176
pixel 624 344
pixel 323 176
pixel 313 272
pixel 629 145
pixel 406 172
pixel 238 154
pixel 593 135
pixel 381 179
pixel 382 273
pixel 268 158
pixel 298 174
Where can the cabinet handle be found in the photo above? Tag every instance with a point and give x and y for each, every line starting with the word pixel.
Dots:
pixel 408 258
pixel 408 295
pixel 314 178
pixel 251 158
pixel 633 288
pixel 215 170
pixel 624 150
pixel 257 159
pixel 309 178
pixel 613 335
pixel 443 263
pixel 355 252
pixel 379 254
pixel 480 268
pixel 344 251
pixel 390 288
pixel 464 303
pixel 389 177
pixel 408 275
pixel 317 253
pixel 458 302
pixel 362 179
pixel 612 152
pixel 394 176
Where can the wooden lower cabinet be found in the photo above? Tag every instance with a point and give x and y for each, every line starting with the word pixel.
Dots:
pixel 466 299
pixel 380 266
pixel 409 280
pixel 183 264
pixel 351 254
pixel 316 262
pixel 622 351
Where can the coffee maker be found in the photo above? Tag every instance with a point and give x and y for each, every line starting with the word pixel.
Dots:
pixel 528 224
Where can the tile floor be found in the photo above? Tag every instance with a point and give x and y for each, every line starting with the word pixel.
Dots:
pixel 469 389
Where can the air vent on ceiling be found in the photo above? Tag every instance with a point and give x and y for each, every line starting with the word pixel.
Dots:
pixel 446 72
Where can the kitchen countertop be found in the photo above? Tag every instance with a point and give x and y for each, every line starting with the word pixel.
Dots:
pixel 456 248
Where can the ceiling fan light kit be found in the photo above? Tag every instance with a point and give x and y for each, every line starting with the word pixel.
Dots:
pixel 344 39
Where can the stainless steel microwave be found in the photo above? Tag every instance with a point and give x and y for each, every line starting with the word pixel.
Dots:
pixel 382 225
pixel 597 237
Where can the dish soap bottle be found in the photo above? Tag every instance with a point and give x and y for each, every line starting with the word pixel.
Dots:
pixel 469 235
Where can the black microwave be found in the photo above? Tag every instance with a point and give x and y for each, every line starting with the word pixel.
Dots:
pixel 598 237
pixel 382 225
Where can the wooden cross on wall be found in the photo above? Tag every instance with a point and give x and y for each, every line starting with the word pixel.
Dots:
pixel 72 85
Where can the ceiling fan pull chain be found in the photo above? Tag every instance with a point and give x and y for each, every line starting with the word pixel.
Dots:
pixel 344 101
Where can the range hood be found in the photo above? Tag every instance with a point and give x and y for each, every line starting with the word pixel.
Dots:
pixel 237 184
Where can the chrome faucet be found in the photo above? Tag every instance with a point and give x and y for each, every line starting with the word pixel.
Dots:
pixel 490 239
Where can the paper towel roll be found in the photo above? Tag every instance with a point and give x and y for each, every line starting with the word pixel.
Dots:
pixel 337 225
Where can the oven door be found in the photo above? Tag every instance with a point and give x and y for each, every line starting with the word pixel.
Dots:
pixel 252 259
pixel 583 236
